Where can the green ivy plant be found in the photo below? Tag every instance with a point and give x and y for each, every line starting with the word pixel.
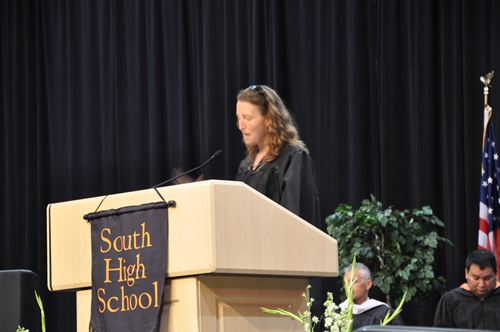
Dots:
pixel 397 245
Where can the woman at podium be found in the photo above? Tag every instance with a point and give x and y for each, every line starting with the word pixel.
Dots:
pixel 277 162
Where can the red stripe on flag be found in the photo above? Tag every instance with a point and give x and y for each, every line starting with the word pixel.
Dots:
pixel 484 226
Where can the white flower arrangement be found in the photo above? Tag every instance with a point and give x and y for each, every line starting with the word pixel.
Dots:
pixel 335 319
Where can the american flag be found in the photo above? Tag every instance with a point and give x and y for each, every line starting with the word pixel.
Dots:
pixel 489 203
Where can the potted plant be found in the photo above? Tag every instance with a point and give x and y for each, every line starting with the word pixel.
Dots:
pixel 397 245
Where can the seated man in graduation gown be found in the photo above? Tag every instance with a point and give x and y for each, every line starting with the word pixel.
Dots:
pixel 365 311
pixel 476 303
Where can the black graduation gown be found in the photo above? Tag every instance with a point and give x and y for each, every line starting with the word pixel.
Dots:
pixel 289 180
pixel 373 317
pixel 460 308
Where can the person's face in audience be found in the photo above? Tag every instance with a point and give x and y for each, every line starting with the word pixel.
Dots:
pixel 252 124
pixel 481 281
pixel 361 286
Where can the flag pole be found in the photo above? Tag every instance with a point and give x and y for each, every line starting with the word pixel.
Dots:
pixel 488 234
pixel 486 79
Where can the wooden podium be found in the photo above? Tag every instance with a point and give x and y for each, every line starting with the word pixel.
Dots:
pixel 231 250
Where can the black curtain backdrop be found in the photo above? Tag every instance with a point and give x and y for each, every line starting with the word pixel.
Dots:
pixel 100 97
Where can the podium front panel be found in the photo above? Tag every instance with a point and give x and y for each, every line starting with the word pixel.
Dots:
pixel 221 303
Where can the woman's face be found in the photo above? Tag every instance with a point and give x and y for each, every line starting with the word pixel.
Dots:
pixel 252 124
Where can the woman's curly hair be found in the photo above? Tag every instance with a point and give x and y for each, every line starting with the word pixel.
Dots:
pixel 281 130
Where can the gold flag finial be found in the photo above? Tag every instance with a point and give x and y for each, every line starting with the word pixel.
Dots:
pixel 486 79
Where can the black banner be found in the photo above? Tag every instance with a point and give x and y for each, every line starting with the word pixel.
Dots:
pixel 129 258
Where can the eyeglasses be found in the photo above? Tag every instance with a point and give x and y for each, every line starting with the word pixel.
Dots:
pixel 259 96
pixel 255 88
pixel 259 92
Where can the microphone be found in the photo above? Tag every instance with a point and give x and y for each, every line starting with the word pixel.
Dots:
pixel 215 155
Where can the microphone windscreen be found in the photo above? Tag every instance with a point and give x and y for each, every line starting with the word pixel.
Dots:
pixel 217 153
